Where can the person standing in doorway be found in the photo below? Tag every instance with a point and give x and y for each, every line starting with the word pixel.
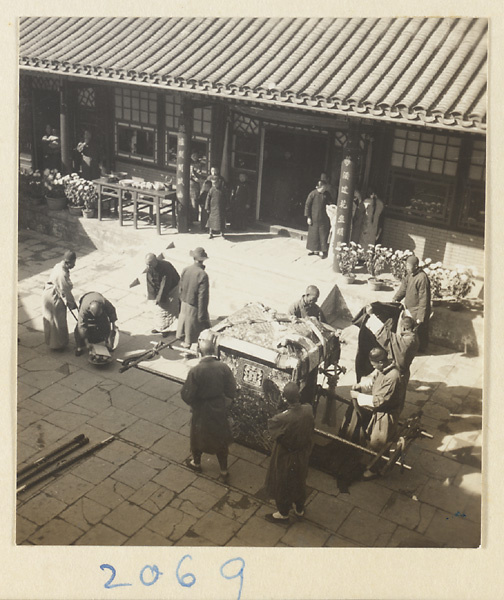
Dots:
pixel 317 219
pixel 368 218
pixel 195 178
pixel 215 206
pixel 51 148
pixel 209 388
pixel 55 299
pixel 194 291
pixel 88 155
pixel 292 433
pixel 240 203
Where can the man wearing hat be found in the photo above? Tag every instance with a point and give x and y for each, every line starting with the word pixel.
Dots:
pixel 292 432
pixel 194 293
pixel 415 289
pixel 96 322
pixel 380 398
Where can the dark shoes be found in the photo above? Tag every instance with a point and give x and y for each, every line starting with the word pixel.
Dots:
pixel 194 467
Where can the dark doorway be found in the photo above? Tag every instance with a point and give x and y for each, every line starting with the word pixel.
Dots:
pixel 293 163
pixel 47 112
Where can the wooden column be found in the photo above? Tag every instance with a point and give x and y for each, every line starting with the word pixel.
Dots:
pixel 66 153
pixel 346 193
pixel 184 165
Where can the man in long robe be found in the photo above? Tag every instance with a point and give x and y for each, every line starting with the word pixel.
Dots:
pixel 210 386
pixel 55 299
pixel 162 287
pixel 292 432
pixel 96 322
pixel 194 292
pixel 318 221
pixel 380 398
pixel 415 289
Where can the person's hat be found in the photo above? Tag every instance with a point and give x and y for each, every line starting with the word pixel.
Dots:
pixel 199 254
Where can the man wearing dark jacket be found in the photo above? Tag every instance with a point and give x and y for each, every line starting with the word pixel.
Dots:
pixel 292 432
pixel 307 306
pixel 97 317
pixel 162 287
pixel 194 291
pixel 415 289
pixel 209 387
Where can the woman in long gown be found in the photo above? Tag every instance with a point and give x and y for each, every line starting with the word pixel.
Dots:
pixel 55 299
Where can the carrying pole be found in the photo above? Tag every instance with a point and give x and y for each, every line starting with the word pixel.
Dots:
pixel 65 464
pixel 35 464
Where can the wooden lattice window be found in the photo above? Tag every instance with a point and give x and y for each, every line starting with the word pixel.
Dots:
pixel 86 97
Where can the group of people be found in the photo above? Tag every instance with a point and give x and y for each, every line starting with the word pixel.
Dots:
pixel 213 204
pixel 366 218
pixel 210 387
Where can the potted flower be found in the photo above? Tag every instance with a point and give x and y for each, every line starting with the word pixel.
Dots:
pixel 31 182
pixel 437 277
pixel 397 263
pixel 376 259
pixel 54 184
pixel 348 257
pixel 460 281
pixel 81 195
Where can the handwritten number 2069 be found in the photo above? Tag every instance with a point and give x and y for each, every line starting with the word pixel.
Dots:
pixel 150 574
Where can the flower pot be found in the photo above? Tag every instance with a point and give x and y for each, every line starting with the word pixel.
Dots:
pixel 350 278
pixel 89 213
pixel 76 211
pixel 375 284
pixel 56 203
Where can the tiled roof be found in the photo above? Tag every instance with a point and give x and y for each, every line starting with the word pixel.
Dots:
pixel 418 70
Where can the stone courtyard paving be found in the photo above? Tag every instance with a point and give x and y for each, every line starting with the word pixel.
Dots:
pixel 137 491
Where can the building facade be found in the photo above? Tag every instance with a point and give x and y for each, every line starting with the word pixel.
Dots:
pixel 282 100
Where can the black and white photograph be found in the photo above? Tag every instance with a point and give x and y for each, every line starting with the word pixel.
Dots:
pixel 250 283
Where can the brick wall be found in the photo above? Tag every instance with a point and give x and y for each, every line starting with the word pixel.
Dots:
pixel 450 247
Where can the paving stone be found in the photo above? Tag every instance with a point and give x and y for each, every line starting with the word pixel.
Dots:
pixel 110 493
pixel 158 500
pixel 126 398
pixel 42 363
pixel 24 390
pixel 337 541
pixel 24 453
pixel 196 502
pixel 147 537
pixel 236 506
pixel 366 528
pixel 303 534
pixel 81 381
pixel 152 460
pixel 216 528
pixel 113 420
pixel 444 495
pixel 407 512
pixel 175 478
pixel 68 488
pixel 134 378
pixel 94 469
pixel 134 474
pixel 259 532
pixel 41 508
pixel 405 538
pixel 436 466
pixel 171 523
pixel 153 410
pixel 173 446
pixel 56 533
pixel 246 476
pixel 117 452
pixel 41 379
pixel 34 406
pixel 101 535
pixel 56 396
pixel 95 399
pixel 327 511
pixel 25 418
pixel 453 531
pixel 143 433
pixel 218 490
pixel 160 388
pixel 84 513
pixel 24 529
pixel 367 495
pixel 322 482
pixel 66 420
pixel 25 354
pixel 246 453
pixel 192 539
pixel 127 518
pixel 41 434
pixel 177 419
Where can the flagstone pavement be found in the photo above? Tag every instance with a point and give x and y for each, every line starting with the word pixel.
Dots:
pixel 136 491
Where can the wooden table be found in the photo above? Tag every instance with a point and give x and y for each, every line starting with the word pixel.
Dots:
pixel 155 200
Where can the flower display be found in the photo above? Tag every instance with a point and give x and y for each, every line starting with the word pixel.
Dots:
pixel 437 277
pixel 460 281
pixel 397 263
pixel 54 183
pixel 347 256
pixel 80 192
pixel 377 258
pixel 32 182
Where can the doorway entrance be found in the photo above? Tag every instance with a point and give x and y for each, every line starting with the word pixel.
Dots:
pixel 47 113
pixel 293 163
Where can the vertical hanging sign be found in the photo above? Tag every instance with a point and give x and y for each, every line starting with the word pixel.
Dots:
pixel 183 165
